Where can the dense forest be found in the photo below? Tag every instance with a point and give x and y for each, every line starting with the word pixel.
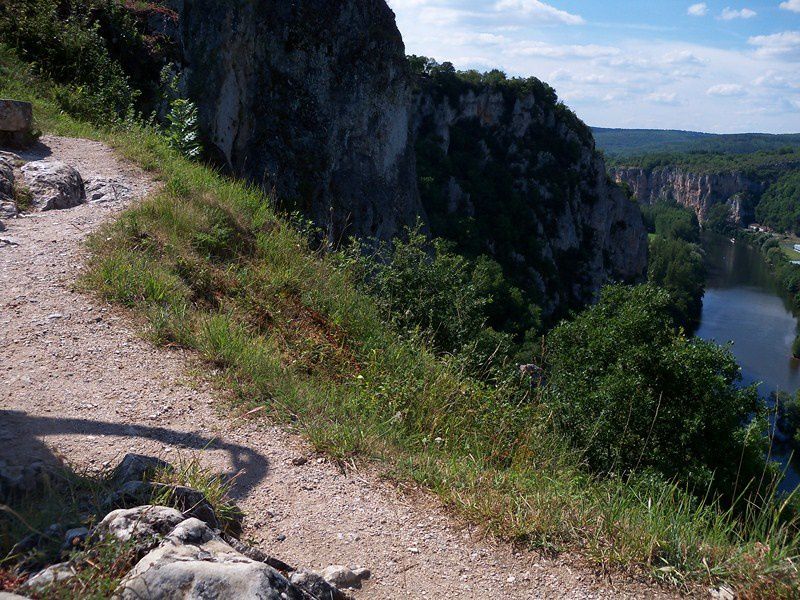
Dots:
pixel 622 143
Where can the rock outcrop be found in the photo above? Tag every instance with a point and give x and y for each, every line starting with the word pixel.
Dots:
pixel 697 191
pixel 312 99
pixel 317 101
pixel 53 185
pixel 179 550
pixel 16 122
pixel 522 172
pixel 194 562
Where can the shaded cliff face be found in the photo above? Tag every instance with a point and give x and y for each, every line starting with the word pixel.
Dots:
pixel 699 192
pixel 506 171
pixel 311 98
pixel 315 99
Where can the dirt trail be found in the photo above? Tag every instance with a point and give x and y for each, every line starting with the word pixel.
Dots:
pixel 77 381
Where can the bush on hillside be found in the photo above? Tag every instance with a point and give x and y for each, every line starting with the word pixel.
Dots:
pixel 464 308
pixel 182 131
pixel 636 395
pixel 63 41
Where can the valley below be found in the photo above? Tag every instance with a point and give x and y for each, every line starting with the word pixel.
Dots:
pixel 744 305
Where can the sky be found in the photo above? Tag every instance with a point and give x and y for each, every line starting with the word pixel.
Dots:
pixel 723 67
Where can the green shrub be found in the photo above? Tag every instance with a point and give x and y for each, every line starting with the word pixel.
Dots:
pixel 635 395
pixel 182 132
pixel 424 287
pixel 64 42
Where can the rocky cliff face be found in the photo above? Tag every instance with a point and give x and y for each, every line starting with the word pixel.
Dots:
pixel 315 99
pixel 509 165
pixel 697 191
pixel 311 98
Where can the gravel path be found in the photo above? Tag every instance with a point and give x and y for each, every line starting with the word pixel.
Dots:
pixel 77 382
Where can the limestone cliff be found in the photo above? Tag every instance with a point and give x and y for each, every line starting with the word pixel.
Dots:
pixel 695 190
pixel 316 100
pixel 311 98
pixel 508 165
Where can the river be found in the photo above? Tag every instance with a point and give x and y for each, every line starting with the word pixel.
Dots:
pixel 746 306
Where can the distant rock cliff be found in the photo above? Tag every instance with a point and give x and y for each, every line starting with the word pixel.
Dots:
pixel 506 170
pixel 697 191
pixel 316 100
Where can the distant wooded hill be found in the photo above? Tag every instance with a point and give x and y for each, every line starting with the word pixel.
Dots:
pixel 619 143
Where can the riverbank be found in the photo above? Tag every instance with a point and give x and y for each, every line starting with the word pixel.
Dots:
pixel 776 249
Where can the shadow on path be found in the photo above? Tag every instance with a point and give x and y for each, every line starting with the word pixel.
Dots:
pixel 37 151
pixel 21 442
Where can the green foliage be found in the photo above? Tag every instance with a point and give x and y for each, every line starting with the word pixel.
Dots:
pixel 779 207
pixel 671 221
pixel 425 287
pixel 759 166
pixel 634 394
pixel 182 131
pixel 787 418
pixel 678 267
pixel 719 220
pixel 64 42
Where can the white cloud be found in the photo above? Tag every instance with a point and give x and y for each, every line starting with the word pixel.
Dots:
pixel 567 75
pixel 778 81
pixel 440 16
pixel 665 98
pixel 698 10
pixel 729 14
pixel 539 10
pixel 477 39
pixel 558 51
pixel 792 5
pixel 727 90
pixel 682 57
pixel 785 44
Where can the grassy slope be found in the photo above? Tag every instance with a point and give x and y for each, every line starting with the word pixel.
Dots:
pixel 213 268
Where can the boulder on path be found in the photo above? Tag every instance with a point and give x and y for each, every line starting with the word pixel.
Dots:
pixel 194 563
pixel 342 577
pixel 53 185
pixel 16 122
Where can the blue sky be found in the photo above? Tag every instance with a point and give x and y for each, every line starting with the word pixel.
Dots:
pixel 725 67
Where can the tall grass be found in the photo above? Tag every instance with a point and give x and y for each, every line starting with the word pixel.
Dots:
pixel 215 269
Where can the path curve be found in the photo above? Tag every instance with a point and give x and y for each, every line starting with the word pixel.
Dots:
pixel 76 381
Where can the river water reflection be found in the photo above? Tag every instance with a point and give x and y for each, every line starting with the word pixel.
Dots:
pixel 745 305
